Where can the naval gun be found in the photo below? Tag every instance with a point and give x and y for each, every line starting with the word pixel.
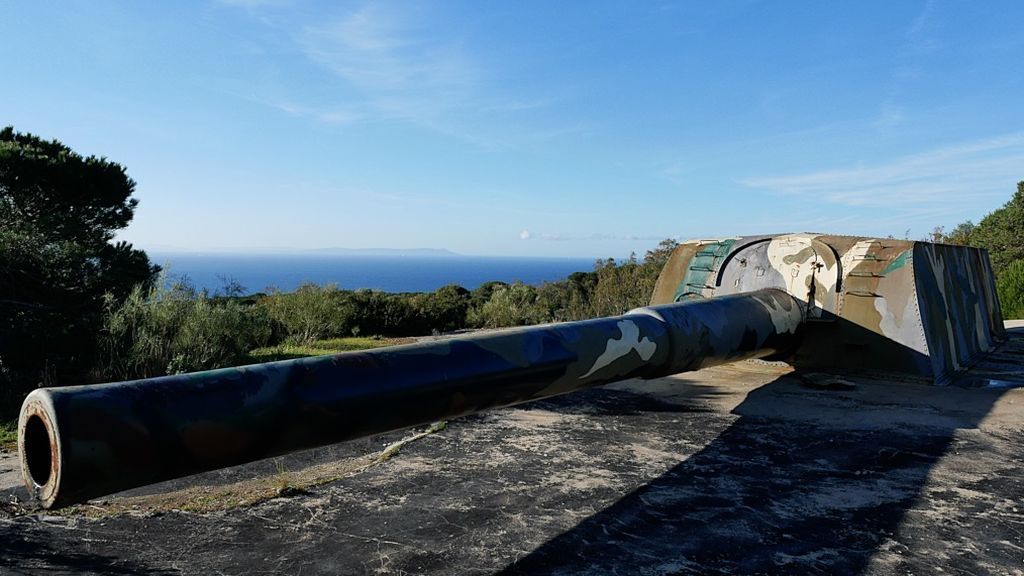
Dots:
pixel 827 302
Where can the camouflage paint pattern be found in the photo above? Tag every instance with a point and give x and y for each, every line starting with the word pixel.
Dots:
pixel 881 304
pixel 960 316
pixel 81 442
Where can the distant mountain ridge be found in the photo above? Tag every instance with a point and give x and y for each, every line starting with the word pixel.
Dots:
pixel 385 251
pixel 260 251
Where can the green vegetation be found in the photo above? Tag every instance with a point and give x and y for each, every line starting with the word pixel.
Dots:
pixel 1011 290
pixel 176 329
pixel 321 347
pixel 316 312
pixel 309 313
pixel 8 434
pixel 58 262
pixel 326 319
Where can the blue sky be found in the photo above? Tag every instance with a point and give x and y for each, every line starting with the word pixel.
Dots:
pixel 527 128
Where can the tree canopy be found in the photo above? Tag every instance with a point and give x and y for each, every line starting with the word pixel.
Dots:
pixel 59 212
pixel 1001 232
pixel 47 188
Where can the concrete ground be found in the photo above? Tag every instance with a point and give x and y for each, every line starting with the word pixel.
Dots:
pixel 745 469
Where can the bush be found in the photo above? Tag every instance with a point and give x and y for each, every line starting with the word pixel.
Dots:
pixel 316 312
pixel 611 289
pixel 176 329
pixel 443 310
pixel 513 305
pixel 310 313
pixel 377 312
pixel 622 288
pixel 565 300
pixel 1010 286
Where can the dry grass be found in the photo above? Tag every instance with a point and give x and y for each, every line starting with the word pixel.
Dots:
pixel 321 347
pixel 284 483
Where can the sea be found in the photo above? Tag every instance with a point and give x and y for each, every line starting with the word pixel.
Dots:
pixel 390 273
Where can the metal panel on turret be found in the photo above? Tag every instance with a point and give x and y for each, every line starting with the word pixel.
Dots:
pixel 872 303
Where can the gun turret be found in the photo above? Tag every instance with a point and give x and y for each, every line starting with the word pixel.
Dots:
pixel 814 300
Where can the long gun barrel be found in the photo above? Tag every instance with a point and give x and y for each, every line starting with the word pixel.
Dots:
pixel 81 442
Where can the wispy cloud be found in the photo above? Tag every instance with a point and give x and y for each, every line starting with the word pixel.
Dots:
pixel 406 199
pixel 919 42
pixel 674 172
pixel 952 175
pixel 339 115
pixel 528 235
pixel 395 67
pixel 920 35
pixel 388 61
pixel 252 3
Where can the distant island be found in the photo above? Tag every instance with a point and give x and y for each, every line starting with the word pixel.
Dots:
pixel 436 252
pixel 264 251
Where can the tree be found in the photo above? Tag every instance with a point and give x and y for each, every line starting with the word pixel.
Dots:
pixel 1010 286
pixel 509 305
pixel 482 293
pixel 59 212
pixel 622 288
pixel 443 310
pixel 659 255
pixel 961 235
pixel 1002 232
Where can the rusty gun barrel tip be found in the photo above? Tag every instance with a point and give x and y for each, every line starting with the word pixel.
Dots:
pixel 39 447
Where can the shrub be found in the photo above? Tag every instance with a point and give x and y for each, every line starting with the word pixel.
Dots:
pixel 174 330
pixel 311 312
pixel 443 310
pixel 611 289
pixel 622 288
pixel 513 305
pixel 1010 286
pixel 567 300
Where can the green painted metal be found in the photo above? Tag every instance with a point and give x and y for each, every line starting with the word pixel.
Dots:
pixel 704 264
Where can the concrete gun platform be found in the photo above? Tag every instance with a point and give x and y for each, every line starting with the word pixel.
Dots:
pixel 744 469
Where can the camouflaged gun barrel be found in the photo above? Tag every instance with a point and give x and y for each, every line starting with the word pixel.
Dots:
pixel 81 442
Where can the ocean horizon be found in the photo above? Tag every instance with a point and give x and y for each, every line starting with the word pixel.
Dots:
pixel 389 273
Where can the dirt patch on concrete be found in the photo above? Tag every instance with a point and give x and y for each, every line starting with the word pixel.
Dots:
pixel 283 483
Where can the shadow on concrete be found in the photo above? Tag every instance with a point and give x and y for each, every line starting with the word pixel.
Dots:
pixel 28 553
pixel 769 495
